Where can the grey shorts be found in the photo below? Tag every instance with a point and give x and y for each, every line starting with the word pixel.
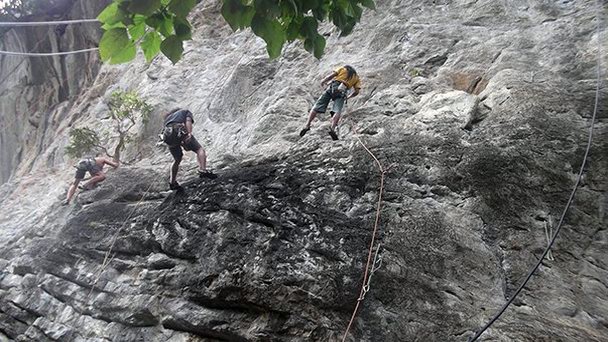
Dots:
pixel 191 145
pixel 323 101
pixel 92 171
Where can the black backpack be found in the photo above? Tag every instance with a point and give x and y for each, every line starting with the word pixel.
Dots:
pixel 174 134
pixel 86 164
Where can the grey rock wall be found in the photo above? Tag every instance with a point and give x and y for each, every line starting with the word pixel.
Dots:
pixel 37 92
pixel 478 109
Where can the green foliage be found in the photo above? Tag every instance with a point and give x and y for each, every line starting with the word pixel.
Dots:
pixel 127 105
pixel 126 109
pixel 414 72
pixel 113 38
pixel 279 21
pixel 172 48
pixel 162 25
pixel 82 141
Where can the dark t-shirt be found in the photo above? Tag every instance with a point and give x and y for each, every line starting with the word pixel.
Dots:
pixel 179 117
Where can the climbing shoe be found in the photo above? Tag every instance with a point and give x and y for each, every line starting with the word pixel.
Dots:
pixel 206 174
pixel 174 186
pixel 65 202
pixel 84 187
pixel 304 131
pixel 333 134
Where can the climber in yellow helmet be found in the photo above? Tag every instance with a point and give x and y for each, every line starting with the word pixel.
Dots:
pixel 342 80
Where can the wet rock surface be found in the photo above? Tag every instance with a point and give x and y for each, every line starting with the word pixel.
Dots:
pixel 478 110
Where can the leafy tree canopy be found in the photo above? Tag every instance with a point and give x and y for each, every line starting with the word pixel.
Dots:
pixel 126 109
pixel 162 25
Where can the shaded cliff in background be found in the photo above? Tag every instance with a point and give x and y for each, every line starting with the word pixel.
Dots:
pixel 480 108
pixel 37 92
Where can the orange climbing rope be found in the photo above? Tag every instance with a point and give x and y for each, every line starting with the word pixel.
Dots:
pixel 367 274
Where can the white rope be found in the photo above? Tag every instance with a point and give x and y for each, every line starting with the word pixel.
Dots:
pixel 44 23
pixel 43 54
pixel 548 235
pixel 377 263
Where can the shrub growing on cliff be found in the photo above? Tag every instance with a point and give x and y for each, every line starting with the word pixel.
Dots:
pixel 126 110
pixel 162 25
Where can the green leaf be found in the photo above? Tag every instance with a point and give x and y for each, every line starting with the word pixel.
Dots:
pixel 116 47
pixel 125 55
pixel 166 27
pixel 267 8
pixel 348 27
pixel 349 10
pixel 308 5
pixel 107 26
pixel 236 14
pixel 369 4
pixel 339 19
pixel 172 48
pixel 123 5
pixel 309 45
pixel 272 33
pixel 127 20
pixel 293 29
pixel 110 14
pixel 181 8
pixel 182 27
pixel 139 27
pixel 145 7
pixel 289 8
pixel 320 12
pixel 151 45
pixel 319 46
pixel 155 20
pixel 308 29
pixel 358 12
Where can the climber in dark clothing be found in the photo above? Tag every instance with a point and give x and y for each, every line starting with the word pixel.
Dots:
pixel 342 80
pixel 177 133
pixel 94 166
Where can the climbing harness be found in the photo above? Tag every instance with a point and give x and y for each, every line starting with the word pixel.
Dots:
pixel 174 133
pixel 336 90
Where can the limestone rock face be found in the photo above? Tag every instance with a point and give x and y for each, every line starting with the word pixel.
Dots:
pixel 478 112
pixel 37 92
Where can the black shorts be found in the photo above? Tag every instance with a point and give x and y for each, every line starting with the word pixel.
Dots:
pixel 191 145
pixel 93 171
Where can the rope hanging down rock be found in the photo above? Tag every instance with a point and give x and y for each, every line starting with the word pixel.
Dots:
pixel 570 200
pixel 367 274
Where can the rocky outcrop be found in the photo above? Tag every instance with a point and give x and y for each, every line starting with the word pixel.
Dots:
pixel 479 111
pixel 37 92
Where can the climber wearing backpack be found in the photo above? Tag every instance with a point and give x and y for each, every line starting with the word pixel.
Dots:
pixel 94 166
pixel 177 133
pixel 342 80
